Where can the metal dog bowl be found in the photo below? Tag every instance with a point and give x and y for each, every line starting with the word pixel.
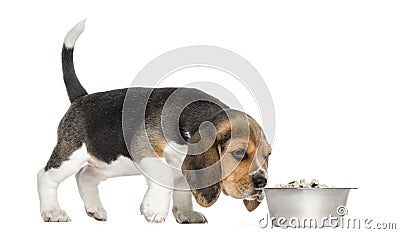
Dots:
pixel 307 207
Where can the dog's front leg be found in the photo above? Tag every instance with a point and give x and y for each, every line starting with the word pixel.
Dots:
pixel 182 204
pixel 159 176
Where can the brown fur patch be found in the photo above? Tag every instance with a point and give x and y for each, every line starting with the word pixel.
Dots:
pixel 159 145
pixel 251 204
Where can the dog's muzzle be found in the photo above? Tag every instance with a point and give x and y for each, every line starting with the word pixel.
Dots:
pixel 259 181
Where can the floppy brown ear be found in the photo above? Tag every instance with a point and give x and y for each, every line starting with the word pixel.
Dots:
pixel 204 184
pixel 251 204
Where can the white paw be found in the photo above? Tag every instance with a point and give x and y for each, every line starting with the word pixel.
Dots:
pixel 152 213
pixel 55 216
pixel 189 216
pixel 98 213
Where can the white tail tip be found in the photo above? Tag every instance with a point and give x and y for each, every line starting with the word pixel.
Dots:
pixel 73 34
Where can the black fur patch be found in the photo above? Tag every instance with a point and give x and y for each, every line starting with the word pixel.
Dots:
pixel 74 88
pixel 96 120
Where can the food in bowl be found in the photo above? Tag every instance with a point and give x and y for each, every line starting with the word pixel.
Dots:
pixel 302 184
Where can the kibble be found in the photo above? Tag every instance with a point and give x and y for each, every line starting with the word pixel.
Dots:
pixel 302 184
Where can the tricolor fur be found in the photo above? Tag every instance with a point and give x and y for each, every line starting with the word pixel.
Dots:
pixel 91 133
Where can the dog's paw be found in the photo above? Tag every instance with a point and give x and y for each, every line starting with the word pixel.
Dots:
pixel 189 216
pixel 55 216
pixel 98 213
pixel 153 214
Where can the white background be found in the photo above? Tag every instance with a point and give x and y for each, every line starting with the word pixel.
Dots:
pixel 332 68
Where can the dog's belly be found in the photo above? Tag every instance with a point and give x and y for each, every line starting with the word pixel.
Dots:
pixel 174 154
pixel 121 166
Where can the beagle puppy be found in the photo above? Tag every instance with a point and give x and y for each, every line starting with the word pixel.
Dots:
pixel 231 157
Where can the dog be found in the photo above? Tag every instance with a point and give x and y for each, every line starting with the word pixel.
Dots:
pixel 91 144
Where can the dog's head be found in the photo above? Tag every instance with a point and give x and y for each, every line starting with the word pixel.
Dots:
pixel 232 158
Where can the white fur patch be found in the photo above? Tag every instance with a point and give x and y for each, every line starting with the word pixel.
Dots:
pixel 155 205
pixel 155 169
pixel 160 180
pixel 48 183
pixel 73 34
pixel 182 199
pixel 123 166
pixel 186 133
pixel 175 154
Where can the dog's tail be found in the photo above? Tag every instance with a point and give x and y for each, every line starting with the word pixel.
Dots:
pixel 74 88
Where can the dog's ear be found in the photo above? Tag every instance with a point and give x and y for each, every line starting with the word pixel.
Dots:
pixel 202 166
pixel 251 204
pixel 203 174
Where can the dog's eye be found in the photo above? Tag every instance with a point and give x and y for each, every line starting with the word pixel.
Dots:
pixel 240 154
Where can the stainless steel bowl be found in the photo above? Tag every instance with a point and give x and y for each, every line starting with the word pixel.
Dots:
pixel 307 207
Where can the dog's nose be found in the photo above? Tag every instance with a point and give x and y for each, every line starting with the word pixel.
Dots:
pixel 259 181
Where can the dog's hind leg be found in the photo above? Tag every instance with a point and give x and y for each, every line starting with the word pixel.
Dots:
pixel 65 160
pixel 90 176
pixel 88 179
